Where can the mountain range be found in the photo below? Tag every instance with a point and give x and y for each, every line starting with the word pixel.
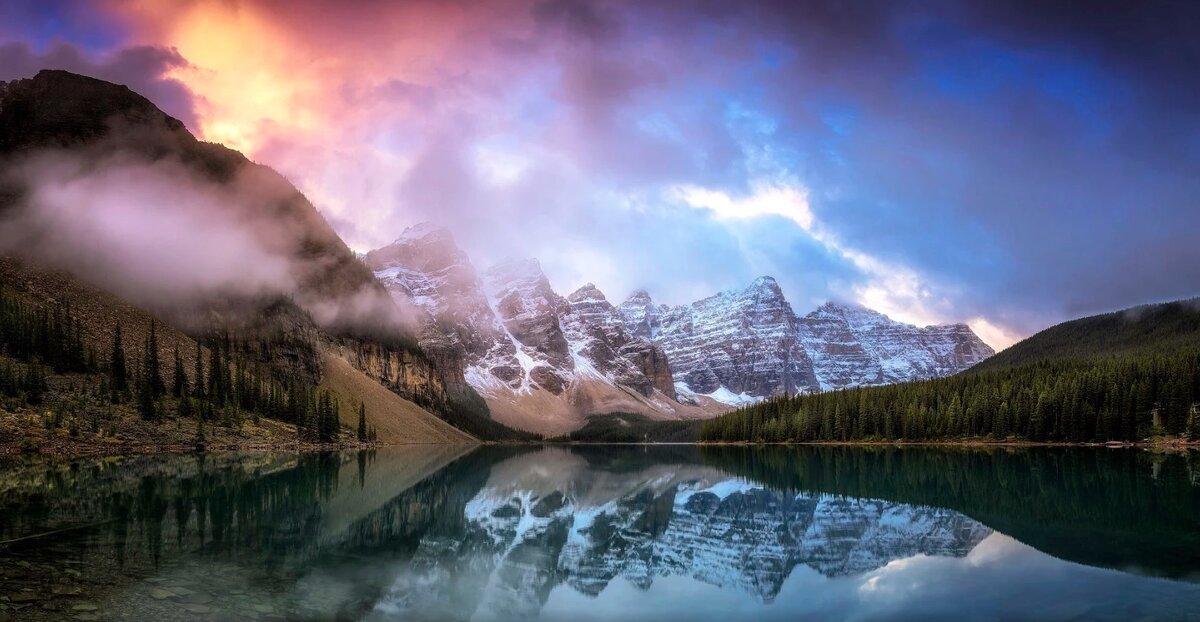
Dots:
pixel 544 361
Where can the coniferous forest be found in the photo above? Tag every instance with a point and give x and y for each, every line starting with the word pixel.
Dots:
pixel 1118 377
pixel 224 386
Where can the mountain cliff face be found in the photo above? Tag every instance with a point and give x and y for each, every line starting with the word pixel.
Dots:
pixel 598 332
pixel 745 341
pixel 432 279
pixel 855 346
pixel 642 317
pixel 745 344
pixel 529 310
pixel 542 361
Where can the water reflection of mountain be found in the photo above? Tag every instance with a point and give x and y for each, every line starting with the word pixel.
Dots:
pixel 549 518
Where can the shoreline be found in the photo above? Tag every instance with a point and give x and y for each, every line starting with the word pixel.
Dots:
pixel 1144 444
pixel 86 450
pixel 142 449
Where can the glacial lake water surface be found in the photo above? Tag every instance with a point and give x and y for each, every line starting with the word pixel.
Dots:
pixel 605 533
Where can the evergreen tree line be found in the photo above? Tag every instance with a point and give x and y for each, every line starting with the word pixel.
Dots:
pixel 223 390
pixel 1119 398
pixel 51 335
pixel 224 387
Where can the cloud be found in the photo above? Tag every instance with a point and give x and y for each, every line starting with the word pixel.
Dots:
pixel 891 288
pixel 151 232
pixel 765 199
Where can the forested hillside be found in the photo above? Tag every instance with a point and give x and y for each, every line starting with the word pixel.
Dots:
pixel 1148 328
pixel 251 322
pixel 1118 377
pixel 60 386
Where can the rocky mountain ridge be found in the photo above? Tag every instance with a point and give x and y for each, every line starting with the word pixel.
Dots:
pixel 749 343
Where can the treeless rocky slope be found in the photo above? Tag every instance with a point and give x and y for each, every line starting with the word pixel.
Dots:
pixel 397 420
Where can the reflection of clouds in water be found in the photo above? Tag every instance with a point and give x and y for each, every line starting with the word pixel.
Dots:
pixel 1000 579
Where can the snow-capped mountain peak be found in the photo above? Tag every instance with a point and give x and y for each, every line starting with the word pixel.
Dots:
pixel 765 283
pixel 852 345
pixel 743 340
pixel 421 231
pixel 641 315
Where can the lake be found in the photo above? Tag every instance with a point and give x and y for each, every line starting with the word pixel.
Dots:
pixel 605 533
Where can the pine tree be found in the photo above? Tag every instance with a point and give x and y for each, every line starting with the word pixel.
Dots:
pixel 327 418
pixel 1193 423
pixel 151 367
pixel 147 406
pixel 198 374
pixel 954 416
pixel 180 387
pixel 840 427
pixel 35 383
pixel 201 439
pixel 362 422
pixel 116 364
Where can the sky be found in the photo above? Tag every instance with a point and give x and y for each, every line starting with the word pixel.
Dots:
pixel 1007 164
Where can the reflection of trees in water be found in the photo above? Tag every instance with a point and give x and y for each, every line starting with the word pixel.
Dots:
pixel 267 518
pixel 432 506
pixel 1112 508
pixel 217 508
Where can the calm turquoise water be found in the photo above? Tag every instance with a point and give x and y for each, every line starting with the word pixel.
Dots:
pixel 605 533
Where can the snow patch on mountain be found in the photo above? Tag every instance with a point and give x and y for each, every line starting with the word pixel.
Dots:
pixel 722 395
pixel 854 346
